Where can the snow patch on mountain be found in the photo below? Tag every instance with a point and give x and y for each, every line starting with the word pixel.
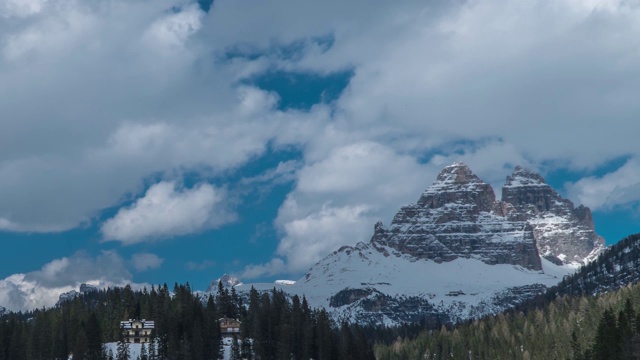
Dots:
pixel 456 290
pixel 227 281
pixel 457 254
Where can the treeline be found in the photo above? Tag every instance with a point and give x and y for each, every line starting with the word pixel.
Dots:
pixel 186 327
pixel 283 329
pixel 587 327
pixel 616 267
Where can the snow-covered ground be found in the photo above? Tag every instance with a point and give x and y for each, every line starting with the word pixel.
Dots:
pixel 471 281
pixel 134 349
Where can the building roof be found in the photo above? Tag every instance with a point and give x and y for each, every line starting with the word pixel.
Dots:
pixel 145 324
pixel 226 319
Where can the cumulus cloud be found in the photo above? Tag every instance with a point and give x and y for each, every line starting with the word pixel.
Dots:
pixel 171 31
pixel 21 8
pixel 337 200
pixel 273 267
pixel 43 287
pixel 146 261
pixel 168 210
pixel 618 188
pixel 149 88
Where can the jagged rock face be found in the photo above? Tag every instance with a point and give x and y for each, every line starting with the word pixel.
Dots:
pixel 85 288
pixel 458 216
pixel 456 184
pixel 68 296
pixel 561 230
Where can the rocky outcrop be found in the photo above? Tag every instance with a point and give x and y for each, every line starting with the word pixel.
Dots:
pixel 227 281
pixel 458 216
pixel 84 290
pixel 563 233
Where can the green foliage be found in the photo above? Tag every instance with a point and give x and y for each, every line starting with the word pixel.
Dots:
pixel 586 327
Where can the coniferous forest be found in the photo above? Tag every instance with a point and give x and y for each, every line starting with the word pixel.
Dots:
pixel 592 315
pixel 186 327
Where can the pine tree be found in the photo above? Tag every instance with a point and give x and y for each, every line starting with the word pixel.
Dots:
pixel 152 349
pixel 123 350
pixel 245 349
pixel 94 338
pixel 575 347
pixel 81 347
pixel 235 349
pixel 143 352
pixel 607 341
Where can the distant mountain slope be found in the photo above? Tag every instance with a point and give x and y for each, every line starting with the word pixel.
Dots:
pixel 567 327
pixel 457 253
pixel 614 268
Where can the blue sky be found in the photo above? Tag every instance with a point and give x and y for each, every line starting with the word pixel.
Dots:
pixel 172 140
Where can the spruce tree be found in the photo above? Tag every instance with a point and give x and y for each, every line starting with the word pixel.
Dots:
pixel 123 350
pixel 245 349
pixel 143 352
pixel 607 341
pixel 235 349
pixel 152 349
pixel 94 338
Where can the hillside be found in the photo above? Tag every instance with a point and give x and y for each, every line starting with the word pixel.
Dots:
pixel 583 327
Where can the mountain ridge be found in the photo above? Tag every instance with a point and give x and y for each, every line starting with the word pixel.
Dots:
pixel 457 253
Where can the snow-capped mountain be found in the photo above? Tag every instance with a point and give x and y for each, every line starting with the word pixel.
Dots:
pixel 227 282
pixel 456 254
pixel 563 233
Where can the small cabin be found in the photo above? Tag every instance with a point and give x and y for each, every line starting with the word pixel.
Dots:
pixel 229 327
pixel 137 331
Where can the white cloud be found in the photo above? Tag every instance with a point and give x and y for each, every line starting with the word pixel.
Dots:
pixel 20 8
pixel 146 261
pixel 337 200
pixel 90 90
pixel 43 287
pixel 618 188
pixel 273 267
pixel 169 210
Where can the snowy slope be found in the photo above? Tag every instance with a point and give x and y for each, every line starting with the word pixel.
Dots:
pixel 455 290
pixel 134 349
pixel 457 253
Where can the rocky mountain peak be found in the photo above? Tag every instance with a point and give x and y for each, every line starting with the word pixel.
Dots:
pixel 457 184
pixel 458 216
pixel 523 177
pixel 563 233
pixel 456 254
pixel 529 193
pixel 226 280
pixel 457 174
